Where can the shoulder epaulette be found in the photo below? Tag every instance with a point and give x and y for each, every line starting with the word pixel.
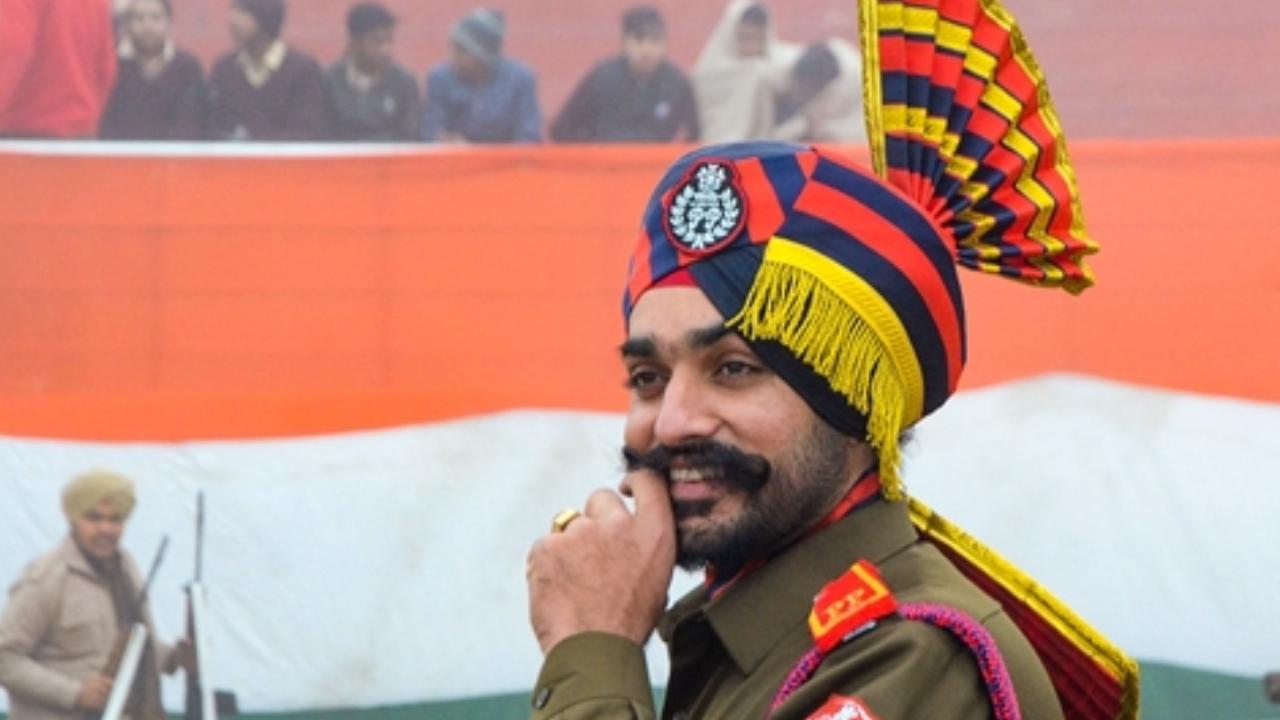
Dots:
pixel 859 599
pixel 845 608
pixel 849 605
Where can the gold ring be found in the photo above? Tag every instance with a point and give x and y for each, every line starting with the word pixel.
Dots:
pixel 561 521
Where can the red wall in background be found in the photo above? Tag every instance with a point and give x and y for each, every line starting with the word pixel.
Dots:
pixel 185 297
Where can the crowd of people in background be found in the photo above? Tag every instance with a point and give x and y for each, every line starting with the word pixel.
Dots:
pixel 73 69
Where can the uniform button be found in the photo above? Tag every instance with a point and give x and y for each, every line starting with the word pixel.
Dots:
pixel 540 700
pixel 681 715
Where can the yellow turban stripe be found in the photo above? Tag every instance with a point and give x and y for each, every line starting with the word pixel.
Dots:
pixel 85 492
pixel 959 118
pixel 806 301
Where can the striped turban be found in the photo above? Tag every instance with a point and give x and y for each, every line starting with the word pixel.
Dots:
pixel 843 279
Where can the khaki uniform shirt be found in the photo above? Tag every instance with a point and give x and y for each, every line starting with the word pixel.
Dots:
pixel 729 656
pixel 57 629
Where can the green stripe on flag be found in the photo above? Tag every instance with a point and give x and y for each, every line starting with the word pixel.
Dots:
pixel 1169 692
pixel 490 707
pixel 1177 692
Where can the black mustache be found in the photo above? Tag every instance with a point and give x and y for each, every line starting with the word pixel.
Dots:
pixel 745 471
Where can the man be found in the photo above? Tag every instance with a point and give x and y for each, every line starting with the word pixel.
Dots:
pixel 263 89
pixel 636 97
pixel 160 93
pixel 789 317
pixel 57 64
pixel 371 98
pixel 69 606
pixel 822 100
pixel 480 96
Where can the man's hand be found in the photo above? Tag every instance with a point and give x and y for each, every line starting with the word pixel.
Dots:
pixel 609 570
pixel 183 655
pixel 94 692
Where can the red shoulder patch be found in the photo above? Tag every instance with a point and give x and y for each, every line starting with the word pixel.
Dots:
pixel 847 604
pixel 840 707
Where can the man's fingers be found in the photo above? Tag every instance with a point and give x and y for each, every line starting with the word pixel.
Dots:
pixel 653 501
pixel 603 503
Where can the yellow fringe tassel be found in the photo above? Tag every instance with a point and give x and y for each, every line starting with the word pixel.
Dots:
pixel 791 306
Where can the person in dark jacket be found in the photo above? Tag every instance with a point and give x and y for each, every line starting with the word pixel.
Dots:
pixel 638 96
pixel 160 93
pixel 264 90
pixel 371 98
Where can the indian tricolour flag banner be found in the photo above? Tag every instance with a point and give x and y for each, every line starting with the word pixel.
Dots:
pixel 386 372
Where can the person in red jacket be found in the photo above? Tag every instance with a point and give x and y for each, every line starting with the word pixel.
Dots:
pixel 57 67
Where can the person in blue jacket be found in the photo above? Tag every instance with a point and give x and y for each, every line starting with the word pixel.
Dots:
pixel 479 95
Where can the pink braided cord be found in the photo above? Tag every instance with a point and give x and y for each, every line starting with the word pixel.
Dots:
pixel 799 675
pixel 970 632
pixel 995 674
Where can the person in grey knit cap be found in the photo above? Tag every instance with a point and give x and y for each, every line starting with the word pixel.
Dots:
pixel 480 95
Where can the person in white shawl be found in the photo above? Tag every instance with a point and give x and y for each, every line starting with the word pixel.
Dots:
pixel 740 73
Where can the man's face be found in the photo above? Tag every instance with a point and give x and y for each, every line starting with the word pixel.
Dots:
pixel 468 66
pixel 372 50
pixel 98 531
pixel 148 26
pixel 750 39
pixel 644 52
pixel 693 381
pixel 243 27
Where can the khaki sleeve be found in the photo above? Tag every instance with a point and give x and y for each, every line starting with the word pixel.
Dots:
pixel 594 676
pixel 902 669
pixel 31 609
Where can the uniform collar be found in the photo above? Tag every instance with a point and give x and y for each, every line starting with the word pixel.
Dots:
pixel 71 553
pixel 362 82
pixel 759 610
pixel 259 71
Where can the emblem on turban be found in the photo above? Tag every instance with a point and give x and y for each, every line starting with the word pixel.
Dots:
pixel 706 210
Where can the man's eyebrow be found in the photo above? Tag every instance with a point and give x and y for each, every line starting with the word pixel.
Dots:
pixel 697 339
pixel 638 347
pixel 706 337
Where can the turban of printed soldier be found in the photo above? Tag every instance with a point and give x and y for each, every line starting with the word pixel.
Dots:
pixel 843 279
pixel 85 492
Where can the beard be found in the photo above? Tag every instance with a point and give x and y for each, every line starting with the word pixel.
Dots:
pixel 780 498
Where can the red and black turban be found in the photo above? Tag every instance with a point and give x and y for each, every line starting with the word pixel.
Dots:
pixel 843 279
